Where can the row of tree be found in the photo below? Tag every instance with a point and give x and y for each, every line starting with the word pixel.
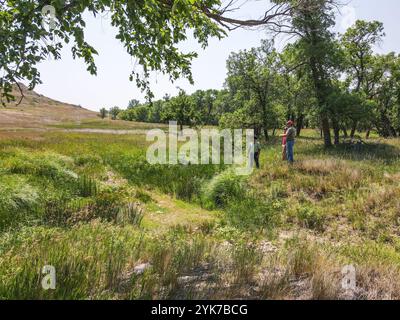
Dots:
pixel 335 83
pixel 197 109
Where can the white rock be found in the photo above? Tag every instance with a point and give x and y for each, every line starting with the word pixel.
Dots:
pixel 141 268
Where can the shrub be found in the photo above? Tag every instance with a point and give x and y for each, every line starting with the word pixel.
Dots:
pixel 222 189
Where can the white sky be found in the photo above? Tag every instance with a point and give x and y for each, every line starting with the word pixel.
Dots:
pixel 67 79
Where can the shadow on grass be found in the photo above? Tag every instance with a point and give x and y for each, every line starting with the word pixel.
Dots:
pixel 366 151
pixel 308 138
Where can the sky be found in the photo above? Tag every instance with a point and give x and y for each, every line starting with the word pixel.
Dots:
pixel 67 80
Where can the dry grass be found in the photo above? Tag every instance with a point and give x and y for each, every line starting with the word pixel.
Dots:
pixel 37 110
pixel 320 166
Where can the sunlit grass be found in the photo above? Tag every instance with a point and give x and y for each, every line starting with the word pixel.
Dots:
pixel 94 208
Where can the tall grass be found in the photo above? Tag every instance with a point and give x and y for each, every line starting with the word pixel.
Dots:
pixel 58 206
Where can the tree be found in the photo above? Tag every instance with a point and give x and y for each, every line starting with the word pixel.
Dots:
pixel 155 111
pixel 180 109
pixel 133 103
pixel 150 30
pixel 386 94
pixel 358 42
pixel 251 80
pixel 349 105
pixel 114 111
pixel 103 113
pixel 296 89
pixel 204 101
pixel 311 22
pixel 140 113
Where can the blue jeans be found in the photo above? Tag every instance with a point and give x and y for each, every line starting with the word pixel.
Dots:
pixel 289 151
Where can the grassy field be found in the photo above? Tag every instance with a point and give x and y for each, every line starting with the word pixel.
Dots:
pixel 115 227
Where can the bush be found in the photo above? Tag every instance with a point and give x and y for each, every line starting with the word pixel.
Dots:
pixel 222 189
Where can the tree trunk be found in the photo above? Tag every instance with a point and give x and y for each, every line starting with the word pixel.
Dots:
pixel 353 129
pixel 266 134
pixel 299 124
pixel 394 133
pixel 367 134
pixel 336 131
pixel 320 88
pixel 387 130
pixel 345 134
pixel 326 132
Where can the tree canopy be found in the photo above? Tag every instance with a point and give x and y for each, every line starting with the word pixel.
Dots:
pixel 150 31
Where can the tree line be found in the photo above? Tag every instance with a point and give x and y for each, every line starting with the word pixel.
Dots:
pixel 322 80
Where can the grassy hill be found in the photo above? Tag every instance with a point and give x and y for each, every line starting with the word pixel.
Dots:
pixel 36 110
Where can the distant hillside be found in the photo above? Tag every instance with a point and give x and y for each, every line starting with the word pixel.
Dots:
pixel 37 110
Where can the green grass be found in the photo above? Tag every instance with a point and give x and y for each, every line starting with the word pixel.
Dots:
pixel 91 206
pixel 107 124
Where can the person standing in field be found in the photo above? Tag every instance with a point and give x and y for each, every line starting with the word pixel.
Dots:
pixel 284 158
pixel 257 151
pixel 290 139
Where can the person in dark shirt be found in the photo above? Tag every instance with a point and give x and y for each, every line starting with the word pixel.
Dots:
pixel 257 151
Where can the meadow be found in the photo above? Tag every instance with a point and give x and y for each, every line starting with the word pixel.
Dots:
pixel 116 227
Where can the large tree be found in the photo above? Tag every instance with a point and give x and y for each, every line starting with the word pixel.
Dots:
pixel 181 109
pixel 150 30
pixel 311 23
pixel 252 79
pixel 386 93
pixel 297 92
pixel 358 42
